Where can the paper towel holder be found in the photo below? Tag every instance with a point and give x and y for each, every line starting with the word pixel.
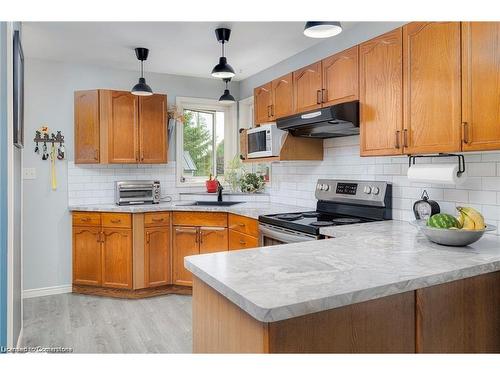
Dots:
pixel 461 160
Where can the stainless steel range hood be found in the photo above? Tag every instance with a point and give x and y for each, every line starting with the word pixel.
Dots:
pixel 340 120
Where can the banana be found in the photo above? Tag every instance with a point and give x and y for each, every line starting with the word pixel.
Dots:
pixel 461 219
pixel 472 219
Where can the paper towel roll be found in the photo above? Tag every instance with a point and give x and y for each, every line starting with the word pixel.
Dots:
pixel 435 174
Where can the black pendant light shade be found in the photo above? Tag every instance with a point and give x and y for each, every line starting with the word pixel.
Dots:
pixel 322 29
pixel 226 97
pixel 142 88
pixel 223 69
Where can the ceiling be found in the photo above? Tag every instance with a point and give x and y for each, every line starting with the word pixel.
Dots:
pixel 181 48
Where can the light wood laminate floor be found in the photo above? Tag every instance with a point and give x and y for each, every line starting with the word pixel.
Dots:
pixel 90 324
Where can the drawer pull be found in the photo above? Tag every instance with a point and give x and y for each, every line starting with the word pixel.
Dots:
pixel 157 219
pixel 318 97
pixel 116 221
pixel 241 224
pixel 243 242
pixel 466 132
pixel 85 219
pixel 397 139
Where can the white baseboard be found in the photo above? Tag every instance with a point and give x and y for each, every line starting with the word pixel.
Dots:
pixel 39 292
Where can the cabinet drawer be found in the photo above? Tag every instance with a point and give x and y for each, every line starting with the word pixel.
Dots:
pixel 112 220
pixel 86 218
pixel 239 241
pixel 244 224
pixel 153 219
pixel 200 219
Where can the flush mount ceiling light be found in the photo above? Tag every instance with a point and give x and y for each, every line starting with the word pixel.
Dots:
pixel 142 88
pixel 223 69
pixel 320 29
pixel 226 97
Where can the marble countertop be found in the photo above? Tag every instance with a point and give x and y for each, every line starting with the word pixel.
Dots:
pixel 363 262
pixel 249 209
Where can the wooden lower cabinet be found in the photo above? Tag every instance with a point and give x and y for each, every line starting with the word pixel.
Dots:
pixel 157 256
pixel 185 243
pixel 212 239
pixel 87 255
pixel 239 241
pixel 117 258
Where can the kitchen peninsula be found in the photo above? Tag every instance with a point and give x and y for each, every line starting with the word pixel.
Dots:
pixel 376 287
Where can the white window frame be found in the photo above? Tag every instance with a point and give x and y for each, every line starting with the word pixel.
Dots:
pixel 230 132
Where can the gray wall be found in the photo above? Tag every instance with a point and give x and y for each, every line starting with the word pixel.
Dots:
pixel 357 34
pixel 49 88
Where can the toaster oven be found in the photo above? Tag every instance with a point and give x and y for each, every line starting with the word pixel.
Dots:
pixel 137 192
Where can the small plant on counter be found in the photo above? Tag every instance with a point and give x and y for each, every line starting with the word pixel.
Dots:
pixel 233 173
pixel 252 183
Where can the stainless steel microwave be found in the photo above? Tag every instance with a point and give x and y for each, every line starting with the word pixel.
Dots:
pixel 137 192
pixel 264 141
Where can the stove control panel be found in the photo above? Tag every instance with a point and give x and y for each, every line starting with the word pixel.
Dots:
pixel 347 191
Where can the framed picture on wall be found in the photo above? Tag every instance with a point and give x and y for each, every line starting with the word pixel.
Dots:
pixel 18 82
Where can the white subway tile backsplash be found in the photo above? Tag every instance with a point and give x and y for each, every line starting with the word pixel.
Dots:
pixel 480 190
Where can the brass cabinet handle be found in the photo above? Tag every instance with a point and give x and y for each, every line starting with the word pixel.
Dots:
pixel 147 237
pixel 242 242
pixel 103 237
pixel 241 224
pixel 318 97
pixel 85 219
pixel 405 138
pixel 142 155
pixel 324 95
pixel 156 219
pixel 116 221
pixel 397 139
pixel 465 126
pixel 137 155
pixel 96 154
pixel 272 110
pixel 268 111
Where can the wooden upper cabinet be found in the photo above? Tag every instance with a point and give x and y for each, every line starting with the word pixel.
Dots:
pixel 307 85
pixel 212 239
pixel 340 77
pixel 381 94
pixel 152 129
pixel 481 85
pixel 431 82
pixel 263 100
pixel 117 258
pixel 157 256
pixel 282 104
pixel 86 126
pixel 87 255
pixel 120 126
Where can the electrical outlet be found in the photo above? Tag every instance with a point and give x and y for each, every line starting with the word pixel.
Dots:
pixel 29 173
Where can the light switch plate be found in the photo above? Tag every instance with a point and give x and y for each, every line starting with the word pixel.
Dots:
pixel 29 173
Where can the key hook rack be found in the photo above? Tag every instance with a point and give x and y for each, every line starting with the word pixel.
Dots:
pixel 461 160
pixel 44 138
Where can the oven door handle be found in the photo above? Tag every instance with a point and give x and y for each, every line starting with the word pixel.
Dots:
pixel 281 236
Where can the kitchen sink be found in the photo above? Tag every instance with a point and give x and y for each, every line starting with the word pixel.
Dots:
pixel 210 203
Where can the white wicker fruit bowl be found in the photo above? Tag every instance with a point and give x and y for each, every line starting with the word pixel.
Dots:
pixel 451 237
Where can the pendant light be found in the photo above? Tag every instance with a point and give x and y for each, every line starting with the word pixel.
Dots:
pixel 319 29
pixel 142 88
pixel 223 69
pixel 226 97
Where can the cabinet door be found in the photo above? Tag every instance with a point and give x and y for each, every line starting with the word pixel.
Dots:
pixel 307 87
pixel 157 256
pixel 431 82
pixel 86 127
pixel 262 103
pixel 153 129
pixel 340 77
pixel 117 258
pixel 213 239
pixel 185 244
pixel 282 104
pixel 481 85
pixel 86 255
pixel 381 94
pixel 119 121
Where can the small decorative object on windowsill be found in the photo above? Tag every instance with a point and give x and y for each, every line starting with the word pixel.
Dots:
pixel 425 208
pixel 212 184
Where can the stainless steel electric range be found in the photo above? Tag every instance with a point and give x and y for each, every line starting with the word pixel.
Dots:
pixel 340 202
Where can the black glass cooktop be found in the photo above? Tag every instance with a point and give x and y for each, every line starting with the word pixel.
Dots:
pixel 309 222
